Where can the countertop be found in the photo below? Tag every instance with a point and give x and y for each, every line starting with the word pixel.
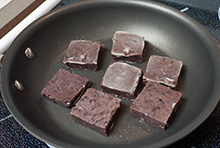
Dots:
pixel 205 136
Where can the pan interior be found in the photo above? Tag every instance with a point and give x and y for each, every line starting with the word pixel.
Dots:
pixel 166 32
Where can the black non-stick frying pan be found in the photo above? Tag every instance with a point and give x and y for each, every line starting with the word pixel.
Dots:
pixel 167 32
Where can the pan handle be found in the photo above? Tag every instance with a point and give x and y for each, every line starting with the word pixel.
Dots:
pixel 7 39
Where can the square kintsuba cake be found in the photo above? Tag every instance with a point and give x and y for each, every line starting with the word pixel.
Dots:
pixel 121 79
pixel 82 55
pixel 65 88
pixel 155 104
pixel 163 70
pixel 96 110
pixel 127 47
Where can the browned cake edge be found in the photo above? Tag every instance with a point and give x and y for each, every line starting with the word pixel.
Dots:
pixel 70 104
pixel 81 67
pixel 133 58
pixel 118 93
pixel 150 121
pixel 103 131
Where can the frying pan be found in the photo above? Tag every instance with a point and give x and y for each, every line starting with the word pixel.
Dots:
pixel 167 32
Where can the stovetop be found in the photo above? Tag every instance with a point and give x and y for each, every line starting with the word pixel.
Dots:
pixel 205 136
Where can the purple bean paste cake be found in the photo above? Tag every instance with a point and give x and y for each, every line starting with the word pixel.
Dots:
pixel 65 88
pixel 163 70
pixel 82 55
pixel 155 104
pixel 96 110
pixel 127 47
pixel 121 79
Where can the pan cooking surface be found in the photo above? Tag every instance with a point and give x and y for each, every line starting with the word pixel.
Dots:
pixel 166 31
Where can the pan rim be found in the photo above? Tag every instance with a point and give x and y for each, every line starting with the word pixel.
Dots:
pixel 188 129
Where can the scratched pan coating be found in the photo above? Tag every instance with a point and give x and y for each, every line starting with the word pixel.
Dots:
pixel 166 31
